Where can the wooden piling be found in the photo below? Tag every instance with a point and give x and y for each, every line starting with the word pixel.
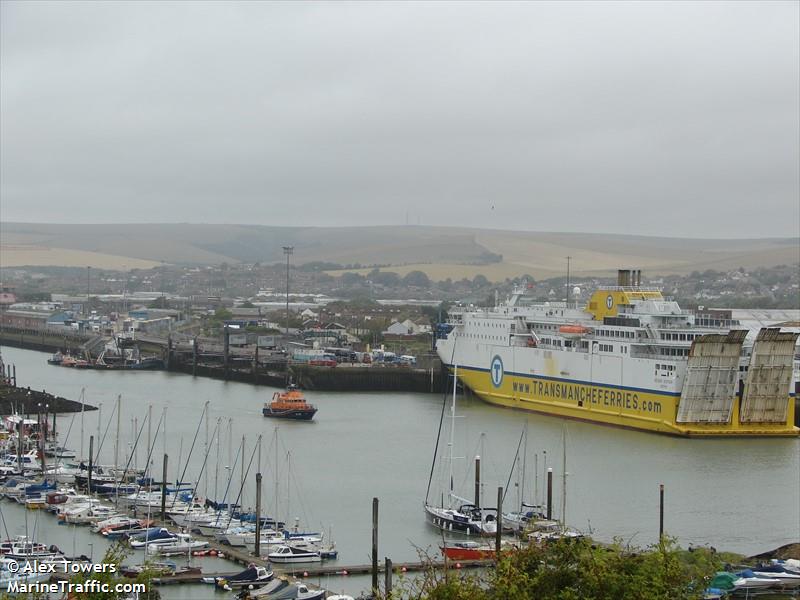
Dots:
pixel 660 513
pixel 499 533
pixel 91 459
pixel 388 583
pixel 374 546
pixel 194 356
pixel 258 514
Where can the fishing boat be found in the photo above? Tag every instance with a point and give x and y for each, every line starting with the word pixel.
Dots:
pixel 628 358
pixel 289 404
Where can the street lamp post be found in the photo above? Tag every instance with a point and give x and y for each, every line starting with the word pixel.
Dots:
pixel 88 287
pixel 288 251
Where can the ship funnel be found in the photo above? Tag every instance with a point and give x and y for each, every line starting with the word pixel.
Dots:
pixel 629 277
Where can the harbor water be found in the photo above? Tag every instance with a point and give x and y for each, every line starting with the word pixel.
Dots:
pixel 737 495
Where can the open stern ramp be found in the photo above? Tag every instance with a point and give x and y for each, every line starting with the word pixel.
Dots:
pixel 711 377
pixel 769 377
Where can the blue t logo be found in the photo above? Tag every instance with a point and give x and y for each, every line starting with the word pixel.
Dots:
pixel 496 371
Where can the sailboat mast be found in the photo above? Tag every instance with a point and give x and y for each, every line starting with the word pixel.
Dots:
pixel 524 466
pixel 205 482
pixel 135 445
pixel 277 496
pixel 288 486
pixel 164 436
pixel 149 431
pixel 216 470
pixel 452 433
pixel 564 479
pixel 83 412
pixel 99 419
pixel 230 443
pixel 242 480
pixel 116 442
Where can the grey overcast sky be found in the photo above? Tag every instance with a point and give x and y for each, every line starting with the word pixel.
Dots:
pixel 658 118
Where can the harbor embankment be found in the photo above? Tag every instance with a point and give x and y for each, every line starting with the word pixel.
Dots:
pixel 344 378
pixel 42 339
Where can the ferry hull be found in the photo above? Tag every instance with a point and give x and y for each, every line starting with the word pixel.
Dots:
pixel 610 405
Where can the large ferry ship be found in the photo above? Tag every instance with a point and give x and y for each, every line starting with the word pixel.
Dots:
pixel 629 358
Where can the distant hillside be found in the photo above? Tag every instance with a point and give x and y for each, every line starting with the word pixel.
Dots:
pixel 442 252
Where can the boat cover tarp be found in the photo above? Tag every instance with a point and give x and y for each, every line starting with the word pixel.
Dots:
pixel 249 574
pixel 278 589
pixel 723 581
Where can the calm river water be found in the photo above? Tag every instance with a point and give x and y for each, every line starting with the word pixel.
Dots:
pixel 737 495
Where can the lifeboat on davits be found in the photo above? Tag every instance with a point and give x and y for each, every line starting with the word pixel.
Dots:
pixel 574 331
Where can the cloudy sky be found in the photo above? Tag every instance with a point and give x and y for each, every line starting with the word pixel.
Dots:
pixel 676 118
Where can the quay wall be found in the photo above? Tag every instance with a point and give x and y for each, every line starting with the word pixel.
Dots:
pixel 41 339
pixel 366 379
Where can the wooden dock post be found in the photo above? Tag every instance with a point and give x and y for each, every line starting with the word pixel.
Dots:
pixel 660 513
pixel 164 489
pixel 255 364
pixel 549 493
pixel 374 547
pixel 91 459
pixel 194 356
pixel 388 583
pixel 258 514
pixel 499 533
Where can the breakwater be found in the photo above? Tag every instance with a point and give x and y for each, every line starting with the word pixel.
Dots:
pixel 28 401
